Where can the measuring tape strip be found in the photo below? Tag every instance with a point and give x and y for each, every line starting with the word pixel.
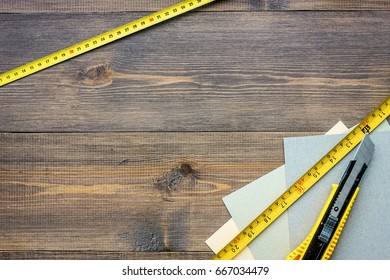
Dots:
pixel 303 184
pixel 100 40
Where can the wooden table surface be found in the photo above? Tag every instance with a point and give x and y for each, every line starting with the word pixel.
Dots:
pixel 126 152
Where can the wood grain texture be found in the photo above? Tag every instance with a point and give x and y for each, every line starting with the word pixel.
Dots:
pixel 102 255
pixel 127 151
pixel 123 192
pixel 272 73
pixel 86 6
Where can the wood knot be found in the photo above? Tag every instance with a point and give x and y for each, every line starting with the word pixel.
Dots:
pixel 186 169
pixel 169 182
pixel 96 75
pixel 147 237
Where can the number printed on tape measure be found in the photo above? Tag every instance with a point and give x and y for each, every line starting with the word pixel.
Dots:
pixel 100 40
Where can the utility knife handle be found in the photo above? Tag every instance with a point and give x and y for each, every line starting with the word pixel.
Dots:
pixel 299 252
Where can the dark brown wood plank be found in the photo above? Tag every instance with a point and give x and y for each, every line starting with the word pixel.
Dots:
pixel 123 192
pixel 102 255
pixel 85 6
pixel 273 73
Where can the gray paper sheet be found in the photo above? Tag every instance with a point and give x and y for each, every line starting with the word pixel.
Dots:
pixel 245 205
pixel 366 233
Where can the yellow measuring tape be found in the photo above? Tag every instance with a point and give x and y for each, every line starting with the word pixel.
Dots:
pixel 100 40
pixel 303 184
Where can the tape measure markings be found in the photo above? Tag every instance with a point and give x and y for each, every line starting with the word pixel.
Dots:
pixel 100 40
pixel 304 183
